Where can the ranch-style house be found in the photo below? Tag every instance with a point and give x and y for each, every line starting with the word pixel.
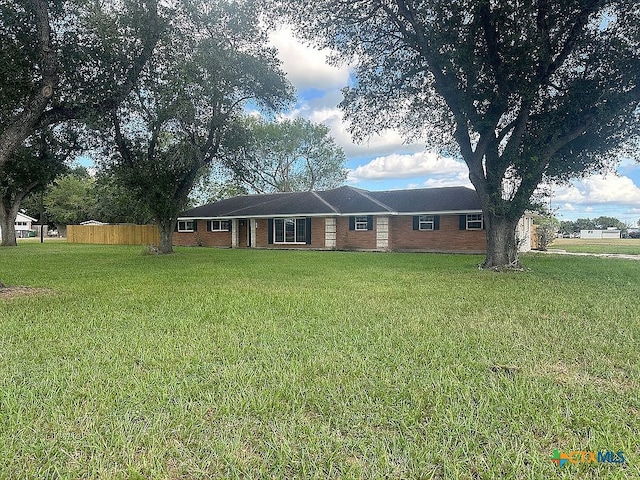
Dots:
pixel 447 219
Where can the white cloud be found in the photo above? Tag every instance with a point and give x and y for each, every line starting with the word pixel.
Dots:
pixel 324 110
pixel 407 166
pixel 599 189
pixel 306 67
pixel 461 179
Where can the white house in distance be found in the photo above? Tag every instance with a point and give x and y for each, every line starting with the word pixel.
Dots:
pixel 23 225
pixel 608 233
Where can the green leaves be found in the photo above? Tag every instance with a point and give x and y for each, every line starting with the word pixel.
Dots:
pixel 209 63
pixel 527 90
pixel 71 200
pixel 286 156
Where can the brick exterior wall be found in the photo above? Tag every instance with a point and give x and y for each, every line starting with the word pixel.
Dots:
pixel 202 238
pixel 401 236
pixel 354 239
pixel 449 238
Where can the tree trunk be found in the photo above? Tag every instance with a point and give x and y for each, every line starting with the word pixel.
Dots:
pixel 8 226
pixel 502 247
pixel 165 229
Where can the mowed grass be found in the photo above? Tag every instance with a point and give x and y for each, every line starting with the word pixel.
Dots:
pixel 285 364
pixel 628 246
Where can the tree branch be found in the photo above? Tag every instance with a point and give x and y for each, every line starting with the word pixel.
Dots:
pixel 22 126
pixel 491 37
pixel 581 20
pixel 121 142
pixel 62 113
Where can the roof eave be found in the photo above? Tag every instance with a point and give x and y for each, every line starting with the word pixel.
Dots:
pixel 331 214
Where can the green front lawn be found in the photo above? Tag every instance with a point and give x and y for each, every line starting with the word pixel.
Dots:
pixel 628 246
pixel 286 364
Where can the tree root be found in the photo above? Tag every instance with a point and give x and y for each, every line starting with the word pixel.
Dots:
pixel 514 266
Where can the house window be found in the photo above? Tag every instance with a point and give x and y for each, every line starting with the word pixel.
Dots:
pixel 426 222
pixel 474 221
pixel 219 225
pixel 361 223
pixel 185 226
pixel 290 230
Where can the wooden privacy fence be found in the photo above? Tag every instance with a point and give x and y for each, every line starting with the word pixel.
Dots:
pixel 113 234
pixel 535 241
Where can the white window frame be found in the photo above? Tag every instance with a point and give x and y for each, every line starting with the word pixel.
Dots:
pixel 184 228
pixel 475 221
pixel 426 222
pixel 212 227
pixel 360 222
pixel 297 221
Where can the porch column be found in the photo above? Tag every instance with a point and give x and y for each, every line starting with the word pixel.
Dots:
pixel 234 233
pixel 382 233
pixel 252 232
pixel 330 232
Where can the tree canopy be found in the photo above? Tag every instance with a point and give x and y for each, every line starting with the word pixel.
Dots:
pixel 209 63
pixel 62 60
pixel 70 200
pixel 522 90
pixel 287 156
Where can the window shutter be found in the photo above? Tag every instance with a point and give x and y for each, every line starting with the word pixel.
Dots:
pixel 484 224
pixel 308 230
pixel 416 222
pixel 436 222
pixel 352 223
pixel 176 228
pixel 270 230
pixel 369 222
pixel 209 222
pixel 195 225
pixel 463 222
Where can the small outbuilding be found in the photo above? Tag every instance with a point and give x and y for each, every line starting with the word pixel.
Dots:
pixel 601 234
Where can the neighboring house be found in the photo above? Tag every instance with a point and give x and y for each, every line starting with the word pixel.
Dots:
pixel 92 222
pixel 23 225
pixel 346 218
pixel 608 233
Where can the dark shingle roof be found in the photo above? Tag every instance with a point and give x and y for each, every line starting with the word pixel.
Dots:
pixel 443 199
pixel 341 201
pixel 352 200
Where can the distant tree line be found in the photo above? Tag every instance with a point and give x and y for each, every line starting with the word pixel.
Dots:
pixel 600 223
pixel 76 196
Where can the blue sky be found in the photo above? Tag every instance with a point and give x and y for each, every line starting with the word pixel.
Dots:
pixel 387 162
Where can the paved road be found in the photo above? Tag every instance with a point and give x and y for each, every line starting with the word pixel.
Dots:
pixel 608 255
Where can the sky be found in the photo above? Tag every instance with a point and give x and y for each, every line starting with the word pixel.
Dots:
pixel 386 162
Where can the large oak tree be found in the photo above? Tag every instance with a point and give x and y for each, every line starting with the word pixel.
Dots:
pixel 212 60
pixel 526 91
pixel 71 59
pixel 286 156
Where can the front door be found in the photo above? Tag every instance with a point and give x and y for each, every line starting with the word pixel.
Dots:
pixel 244 233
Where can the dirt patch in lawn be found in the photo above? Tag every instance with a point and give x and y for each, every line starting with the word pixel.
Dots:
pixel 16 292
